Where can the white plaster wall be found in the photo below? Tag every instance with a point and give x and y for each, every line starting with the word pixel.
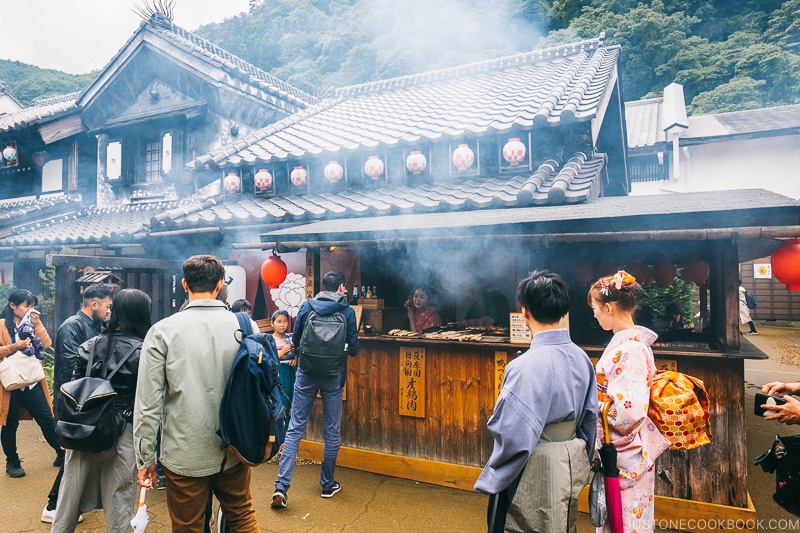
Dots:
pixel 771 163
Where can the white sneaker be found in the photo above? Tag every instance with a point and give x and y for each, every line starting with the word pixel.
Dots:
pixel 48 516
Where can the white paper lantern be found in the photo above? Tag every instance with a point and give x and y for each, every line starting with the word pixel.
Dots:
pixel 232 183
pixel 263 179
pixel 333 171
pixel 10 154
pixel 416 162
pixel 514 151
pixel 299 176
pixel 463 157
pixel 374 167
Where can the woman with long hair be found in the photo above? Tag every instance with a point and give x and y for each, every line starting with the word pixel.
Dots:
pixel 32 401
pixel 624 374
pixel 422 311
pixel 107 479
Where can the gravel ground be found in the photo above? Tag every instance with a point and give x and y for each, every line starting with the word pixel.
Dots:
pixel 785 341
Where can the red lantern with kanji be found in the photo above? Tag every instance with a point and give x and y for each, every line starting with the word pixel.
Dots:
pixel 463 157
pixel 696 270
pixel 374 167
pixel 263 179
pixel 416 162
pixel 299 176
pixel 514 151
pixel 786 264
pixel 273 271
pixel 664 272
pixel 232 182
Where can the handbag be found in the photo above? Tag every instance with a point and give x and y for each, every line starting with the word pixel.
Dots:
pixel 679 409
pixel 783 458
pixel 18 371
pixel 598 509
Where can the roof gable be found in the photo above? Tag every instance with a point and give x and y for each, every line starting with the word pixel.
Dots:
pixel 538 89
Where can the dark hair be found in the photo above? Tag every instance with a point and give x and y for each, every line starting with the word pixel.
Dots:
pixel 332 280
pixel 429 292
pixel 280 312
pixel 623 297
pixel 101 291
pixel 17 297
pixel 545 295
pixel 203 272
pixel 241 305
pixel 130 313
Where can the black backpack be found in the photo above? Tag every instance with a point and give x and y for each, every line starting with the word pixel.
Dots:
pixel 87 418
pixel 251 417
pixel 322 344
pixel 750 300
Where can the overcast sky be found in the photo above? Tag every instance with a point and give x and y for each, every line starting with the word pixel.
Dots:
pixel 79 36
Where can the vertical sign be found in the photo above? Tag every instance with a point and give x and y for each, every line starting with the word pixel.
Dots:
pixel 412 381
pixel 500 362
pixel 311 269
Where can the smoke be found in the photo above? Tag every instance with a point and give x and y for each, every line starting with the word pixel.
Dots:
pixel 422 35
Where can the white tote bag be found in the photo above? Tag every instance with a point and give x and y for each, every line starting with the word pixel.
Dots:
pixel 17 371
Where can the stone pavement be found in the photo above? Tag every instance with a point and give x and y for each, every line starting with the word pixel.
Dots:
pixel 374 503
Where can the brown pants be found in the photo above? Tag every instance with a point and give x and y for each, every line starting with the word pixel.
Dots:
pixel 187 497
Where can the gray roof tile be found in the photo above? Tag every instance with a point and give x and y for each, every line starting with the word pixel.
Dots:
pixel 546 87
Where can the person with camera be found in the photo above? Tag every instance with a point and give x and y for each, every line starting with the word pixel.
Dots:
pixel 789 412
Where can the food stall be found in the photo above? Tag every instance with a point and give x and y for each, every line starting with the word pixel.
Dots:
pixel 416 405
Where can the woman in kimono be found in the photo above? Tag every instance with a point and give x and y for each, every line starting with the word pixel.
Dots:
pixel 624 374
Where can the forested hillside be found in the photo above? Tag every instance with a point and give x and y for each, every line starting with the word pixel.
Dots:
pixel 28 82
pixel 728 54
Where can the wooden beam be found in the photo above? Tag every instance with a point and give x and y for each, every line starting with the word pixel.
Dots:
pixel 110 262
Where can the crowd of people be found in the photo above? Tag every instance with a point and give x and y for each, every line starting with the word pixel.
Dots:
pixel 549 418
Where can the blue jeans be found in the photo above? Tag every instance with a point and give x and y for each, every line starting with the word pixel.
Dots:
pixel 305 391
pixel 35 403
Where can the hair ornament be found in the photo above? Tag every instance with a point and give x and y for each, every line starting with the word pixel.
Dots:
pixel 619 280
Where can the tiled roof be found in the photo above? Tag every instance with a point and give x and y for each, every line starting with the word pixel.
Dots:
pixel 87 226
pixel 39 111
pixel 525 91
pixel 552 183
pixel 745 122
pixel 12 211
pixel 643 122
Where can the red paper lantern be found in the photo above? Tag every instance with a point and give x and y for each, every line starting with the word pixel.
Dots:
pixel 232 182
pixel 273 271
pixel 582 272
pixel 643 273
pixel 263 179
pixel 786 264
pixel 333 171
pixel 373 167
pixel 696 270
pixel 664 272
pixel 514 151
pixel 463 157
pixel 416 162
pixel 299 176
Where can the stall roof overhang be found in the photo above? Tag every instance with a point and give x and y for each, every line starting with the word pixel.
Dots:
pixel 701 216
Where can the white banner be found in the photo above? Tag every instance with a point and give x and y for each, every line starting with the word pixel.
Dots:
pixel 762 270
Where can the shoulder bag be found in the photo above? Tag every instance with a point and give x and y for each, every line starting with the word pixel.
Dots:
pixel 18 371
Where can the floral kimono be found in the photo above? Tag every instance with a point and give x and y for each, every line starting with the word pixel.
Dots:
pixel 624 374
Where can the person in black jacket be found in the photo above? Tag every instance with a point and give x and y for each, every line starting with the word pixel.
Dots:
pixel 104 480
pixel 73 332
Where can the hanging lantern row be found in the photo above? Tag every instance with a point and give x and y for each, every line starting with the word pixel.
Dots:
pixel 10 154
pixel 663 272
pixel 786 264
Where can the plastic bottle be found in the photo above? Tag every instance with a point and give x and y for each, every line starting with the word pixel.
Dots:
pixel 355 294
pixel 369 293
pixel 375 292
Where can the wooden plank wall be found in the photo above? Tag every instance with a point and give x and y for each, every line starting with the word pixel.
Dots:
pixel 460 400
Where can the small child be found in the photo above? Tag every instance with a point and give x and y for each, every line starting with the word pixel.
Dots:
pixel 283 342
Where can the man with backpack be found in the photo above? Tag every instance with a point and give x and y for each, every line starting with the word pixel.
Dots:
pixel 325 334
pixel 183 368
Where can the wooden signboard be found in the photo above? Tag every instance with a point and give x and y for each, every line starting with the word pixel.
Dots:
pixel 500 362
pixel 520 334
pixel 412 381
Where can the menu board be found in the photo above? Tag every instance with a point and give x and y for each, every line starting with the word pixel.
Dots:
pixel 520 334
pixel 412 381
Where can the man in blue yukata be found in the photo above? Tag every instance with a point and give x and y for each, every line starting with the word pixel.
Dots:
pixel 544 422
